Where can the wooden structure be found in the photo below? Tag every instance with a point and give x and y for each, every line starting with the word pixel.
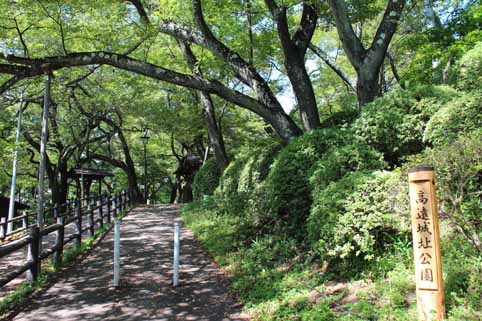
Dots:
pixel 97 212
pixel 86 176
pixel 426 244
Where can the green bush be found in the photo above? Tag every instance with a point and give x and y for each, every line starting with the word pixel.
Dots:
pixel 242 178
pixel 286 192
pixel 461 115
pixel 206 180
pixel 328 206
pixel 459 173
pixel 340 118
pixel 359 215
pixel 470 69
pixel 339 161
pixel 227 191
pixel 394 124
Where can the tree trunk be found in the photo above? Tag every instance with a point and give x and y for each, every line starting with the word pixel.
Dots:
pixel 305 95
pixel 215 135
pixel 294 49
pixel 368 86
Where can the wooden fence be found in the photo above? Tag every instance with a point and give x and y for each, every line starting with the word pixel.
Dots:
pixel 96 210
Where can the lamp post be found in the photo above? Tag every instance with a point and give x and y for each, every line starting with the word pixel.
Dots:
pixel 145 139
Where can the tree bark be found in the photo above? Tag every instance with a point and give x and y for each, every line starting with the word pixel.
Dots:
pixel 294 49
pixel 215 135
pixel 367 61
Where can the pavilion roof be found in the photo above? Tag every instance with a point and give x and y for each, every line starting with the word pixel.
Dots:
pixel 92 173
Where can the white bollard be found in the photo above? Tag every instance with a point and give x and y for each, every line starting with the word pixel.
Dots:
pixel 177 237
pixel 116 252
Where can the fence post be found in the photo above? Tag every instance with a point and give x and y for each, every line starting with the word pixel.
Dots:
pixel 33 254
pixel 100 218
pixel 116 252
pixel 59 242
pixel 177 237
pixel 56 210
pixel 107 209
pixel 24 220
pixel 90 219
pixel 3 223
pixel 78 222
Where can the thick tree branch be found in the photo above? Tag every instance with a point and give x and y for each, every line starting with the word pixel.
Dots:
pixel 140 10
pixel 243 69
pixel 385 31
pixel 352 45
pixel 26 67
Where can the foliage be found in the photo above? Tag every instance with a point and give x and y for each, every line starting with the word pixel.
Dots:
pixel 358 216
pixel 339 161
pixel 206 179
pixel 287 190
pixel 394 124
pixel 459 172
pixel 461 115
pixel 470 69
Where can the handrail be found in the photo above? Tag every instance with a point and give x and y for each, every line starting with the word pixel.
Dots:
pixel 98 213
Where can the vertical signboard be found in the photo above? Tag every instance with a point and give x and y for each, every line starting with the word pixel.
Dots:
pixel 426 244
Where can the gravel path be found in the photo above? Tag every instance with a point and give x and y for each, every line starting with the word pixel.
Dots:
pixel 146 293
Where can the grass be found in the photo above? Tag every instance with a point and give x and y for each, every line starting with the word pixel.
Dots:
pixel 23 292
pixel 279 279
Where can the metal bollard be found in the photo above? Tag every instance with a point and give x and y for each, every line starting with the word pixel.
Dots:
pixel 116 252
pixel 177 237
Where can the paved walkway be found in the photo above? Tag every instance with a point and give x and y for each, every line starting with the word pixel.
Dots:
pixel 146 272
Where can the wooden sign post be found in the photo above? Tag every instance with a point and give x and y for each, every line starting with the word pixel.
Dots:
pixel 426 244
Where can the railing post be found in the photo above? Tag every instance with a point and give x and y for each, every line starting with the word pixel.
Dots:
pixel 177 239
pixel 3 224
pixel 59 242
pixel 100 218
pixel 78 223
pixel 24 220
pixel 107 209
pixel 116 252
pixel 56 211
pixel 33 254
pixel 90 219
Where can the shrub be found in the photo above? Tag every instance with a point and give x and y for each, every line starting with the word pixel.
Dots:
pixel 470 69
pixel 459 174
pixel 243 176
pixel 460 115
pixel 394 124
pixel 339 161
pixel 359 215
pixel 206 180
pixel 339 118
pixel 328 204
pixel 227 191
pixel 287 192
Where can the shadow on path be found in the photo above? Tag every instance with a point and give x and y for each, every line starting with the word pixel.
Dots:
pixel 146 293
